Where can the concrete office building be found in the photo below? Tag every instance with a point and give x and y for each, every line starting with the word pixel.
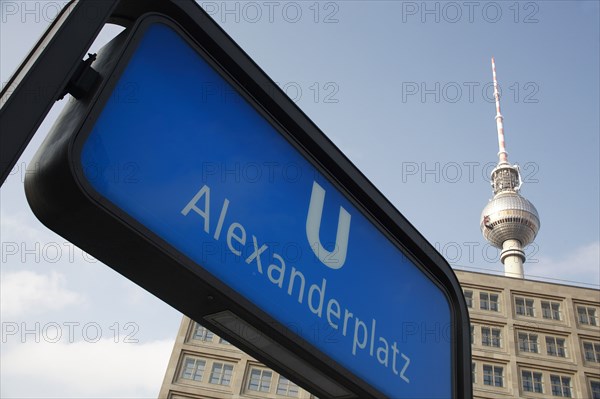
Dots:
pixel 204 365
pixel 530 339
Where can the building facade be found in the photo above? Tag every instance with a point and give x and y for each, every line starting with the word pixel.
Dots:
pixel 530 339
pixel 204 365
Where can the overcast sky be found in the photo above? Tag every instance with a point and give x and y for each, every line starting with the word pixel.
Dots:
pixel 403 89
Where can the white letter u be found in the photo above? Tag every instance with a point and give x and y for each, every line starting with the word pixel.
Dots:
pixel 336 258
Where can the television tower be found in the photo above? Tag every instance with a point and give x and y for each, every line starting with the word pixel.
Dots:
pixel 509 221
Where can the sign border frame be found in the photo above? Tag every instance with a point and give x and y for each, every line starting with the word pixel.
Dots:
pixel 343 174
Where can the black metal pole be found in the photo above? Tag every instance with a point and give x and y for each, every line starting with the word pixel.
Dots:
pixel 43 75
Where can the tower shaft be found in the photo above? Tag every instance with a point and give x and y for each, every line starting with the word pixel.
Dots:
pixel 502 154
pixel 512 257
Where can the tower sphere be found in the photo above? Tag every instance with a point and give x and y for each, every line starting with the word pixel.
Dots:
pixel 509 216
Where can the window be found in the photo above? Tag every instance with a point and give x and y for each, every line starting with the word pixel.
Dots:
pixel 591 351
pixel 556 346
pixel 286 387
pixel 193 369
pixel 202 334
pixel 595 389
pixel 488 301
pixel 551 310
pixel 561 385
pixel 221 373
pixel 493 375
pixel 490 337
pixel 474 372
pixel 587 315
pixel 531 381
pixel 260 380
pixel 223 342
pixel 469 298
pixel 524 307
pixel 528 342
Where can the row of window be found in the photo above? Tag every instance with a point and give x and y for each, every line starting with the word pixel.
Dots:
pixel 487 300
pixel 203 334
pixel 490 336
pixel 587 315
pixel 533 381
pixel 528 307
pixel 194 369
pixel 528 342
pixel 493 375
pixel 555 346
pixel 259 379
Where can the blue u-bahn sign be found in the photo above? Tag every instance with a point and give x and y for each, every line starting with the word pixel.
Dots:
pixel 212 176
pixel 188 172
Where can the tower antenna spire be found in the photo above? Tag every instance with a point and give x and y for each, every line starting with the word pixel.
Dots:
pixel 509 221
pixel 502 154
